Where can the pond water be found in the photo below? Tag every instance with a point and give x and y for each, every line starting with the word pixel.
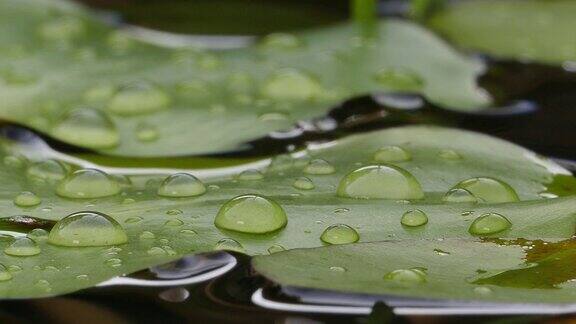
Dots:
pixel 534 108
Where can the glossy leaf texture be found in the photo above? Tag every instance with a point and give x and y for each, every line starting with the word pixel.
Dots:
pixel 69 75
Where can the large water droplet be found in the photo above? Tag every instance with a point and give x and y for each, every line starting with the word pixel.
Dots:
pixel 87 228
pixel 319 166
pixel 251 214
pixel 399 79
pixel 229 244
pixel 380 182
pixel 490 223
pixel 414 218
pixel 339 234
pixel 407 276
pixel 47 170
pixel 291 85
pixel 138 98
pixel 457 195
pixel 88 183
pixel 27 199
pixel 488 190
pixel 303 183
pixel 392 154
pixel 181 185
pixel 88 128
pixel 22 246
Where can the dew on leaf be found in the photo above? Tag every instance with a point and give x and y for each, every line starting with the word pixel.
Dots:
pixel 137 99
pixel 147 133
pixel 414 218
pixel 459 195
pixel 181 185
pixel 22 246
pixel 450 155
pixel 303 183
pixel 5 275
pixel 251 214
pixel 27 199
pixel 86 127
pixel 87 228
pixel 88 183
pixel 250 175
pixel 319 167
pixel 339 234
pixel 490 223
pixel 489 190
pixel 392 154
pixel 275 249
pixel 291 85
pixel 380 182
pixel 407 276
pixel 229 244
pixel 51 170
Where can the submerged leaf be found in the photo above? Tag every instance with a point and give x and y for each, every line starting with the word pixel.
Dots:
pixel 513 29
pixel 84 83
pixel 159 228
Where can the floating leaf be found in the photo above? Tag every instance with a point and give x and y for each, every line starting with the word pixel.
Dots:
pixel 518 271
pixel 528 30
pixel 159 228
pixel 82 82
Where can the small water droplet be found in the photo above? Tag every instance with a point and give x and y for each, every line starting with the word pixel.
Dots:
pixel 281 162
pixel 399 79
pixel 138 98
pixel 319 167
pixel 450 155
pixel 339 234
pixel 483 291
pixel 229 244
pixel 86 127
pixel 250 175
pixel 407 276
pixel 22 246
pixel 392 154
pixel 251 214
pixel 490 223
pixel 380 182
pixel 5 275
pixel 337 269
pixel 88 183
pixel 414 218
pixel 440 252
pixel 87 228
pixel 275 249
pixel 50 170
pixel 341 210
pixel 291 85
pixel 187 231
pixel 132 220
pixel 37 234
pixel 82 277
pixel 459 195
pixel 128 201
pixel 146 235
pixel 114 262
pixel 173 212
pixel 174 222
pixel 489 190
pixel 303 183
pixel 147 133
pixel 27 199
pixel 156 250
pixel 181 185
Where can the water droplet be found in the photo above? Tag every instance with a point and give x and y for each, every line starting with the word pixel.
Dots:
pixel 407 276
pixel 156 250
pixel 146 235
pixel 281 162
pixel 114 262
pixel 86 127
pixel 380 182
pixel 489 223
pixel 174 222
pixel 22 246
pixel 138 98
pixel 173 212
pixel 229 244
pixel 5 275
pixel 399 79
pixel 450 155
pixel 414 218
pixel 62 29
pixel 37 234
pixel 181 185
pixel 489 190
pixel 51 170
pixel 275 249
pixel 303 183
pixel 392 154
pixel 339 234
pixel 147 133
pixel 280 41
pixel 440 252
pixel 132 220
pixel 291 85
pixel 188 232
pixel 27 199
pixel 318 167
pixel 458 195
pixel 251 214
pixel 82 277
pixel 337 269
pixel 483 291
pixel 341 210
pixel 88 183
pixel 87 228
pixel 272 116
pixel 249 175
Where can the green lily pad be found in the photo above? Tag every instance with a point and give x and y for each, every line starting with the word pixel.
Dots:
pixel 518 271
pixel 513 29
pixel 161 228
pixel 72 77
